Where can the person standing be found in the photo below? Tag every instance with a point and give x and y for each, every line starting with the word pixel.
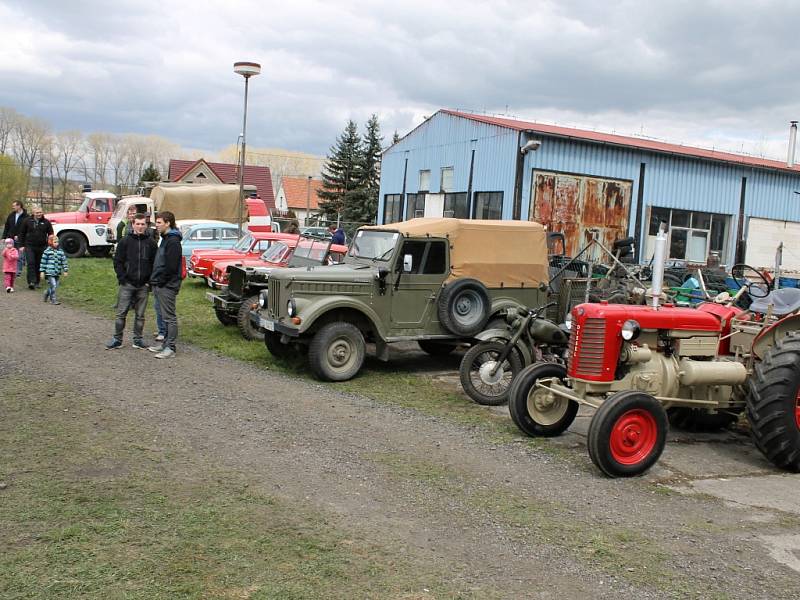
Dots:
pixel 124 227
pixel 11 230
pixel 53 265
pixel 10 258
pixel 133 264
pixel 166 280
pixel 337 235
pixel 33 235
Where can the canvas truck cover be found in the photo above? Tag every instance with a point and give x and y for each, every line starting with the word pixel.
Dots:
pixel 497 253
pixel 214 202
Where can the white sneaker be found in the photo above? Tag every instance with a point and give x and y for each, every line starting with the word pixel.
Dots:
pixel 8 290
pixel 156 348
pixel 166 353
pixel 11 290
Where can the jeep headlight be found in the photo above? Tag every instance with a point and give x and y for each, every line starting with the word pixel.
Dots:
pixel 568 321
pixel 291 307
pixel 630 330
pixel 262 298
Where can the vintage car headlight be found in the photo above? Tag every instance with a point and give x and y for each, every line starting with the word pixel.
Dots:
pixel 630 330
pixel 262 298
pixel 568 321
pixel 291 307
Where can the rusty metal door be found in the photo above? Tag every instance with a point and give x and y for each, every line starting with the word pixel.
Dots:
pixel 578 204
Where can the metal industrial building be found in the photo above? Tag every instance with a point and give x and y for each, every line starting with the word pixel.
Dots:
pixel 475 166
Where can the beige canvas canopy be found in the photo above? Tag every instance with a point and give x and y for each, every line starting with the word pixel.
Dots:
pixel 204 201
pixel 497 253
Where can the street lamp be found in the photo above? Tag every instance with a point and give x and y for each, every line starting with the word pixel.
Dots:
pixel 246 70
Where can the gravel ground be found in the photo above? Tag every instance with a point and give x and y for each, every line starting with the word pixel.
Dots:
pixel 512 517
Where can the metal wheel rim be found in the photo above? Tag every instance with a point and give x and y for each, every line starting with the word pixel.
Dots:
pixel 633 437
pixel 502 379
pixel 341 353
pixel 468 307
pixel 544 407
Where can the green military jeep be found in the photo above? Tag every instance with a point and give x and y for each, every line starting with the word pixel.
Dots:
pixel 434 281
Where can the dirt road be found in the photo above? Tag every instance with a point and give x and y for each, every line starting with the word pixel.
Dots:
pixel 511 520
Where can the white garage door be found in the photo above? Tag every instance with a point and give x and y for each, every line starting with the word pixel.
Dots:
pixel 763 237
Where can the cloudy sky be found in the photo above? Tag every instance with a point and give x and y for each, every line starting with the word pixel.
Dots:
pixel 717 73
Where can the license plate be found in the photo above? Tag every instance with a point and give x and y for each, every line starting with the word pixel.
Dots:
pixel 268 325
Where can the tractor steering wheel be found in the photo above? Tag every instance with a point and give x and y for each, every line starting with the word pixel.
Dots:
pixel 755 289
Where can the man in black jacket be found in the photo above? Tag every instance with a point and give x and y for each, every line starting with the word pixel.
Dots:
pixel 166 280
pixel 133 264
pixel 33 235
pixel 11 229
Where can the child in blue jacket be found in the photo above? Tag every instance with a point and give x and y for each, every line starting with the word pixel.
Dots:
pixel 54 264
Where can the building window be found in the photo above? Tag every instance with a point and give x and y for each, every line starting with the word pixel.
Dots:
pixel 424 181
pixel 456 205
pixel 447 180
pixel 415 206
pixel 489 205
pixel 200 175
pixel 392 207
pixel 692 236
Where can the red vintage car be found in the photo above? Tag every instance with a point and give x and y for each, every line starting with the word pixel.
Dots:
pixel 277 256
pixel 251 246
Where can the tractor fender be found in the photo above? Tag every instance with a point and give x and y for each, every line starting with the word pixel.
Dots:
pixel 503 335
pixel 769 336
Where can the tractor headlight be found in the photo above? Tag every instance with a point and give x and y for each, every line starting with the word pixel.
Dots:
pixel 568 321
pixel 291 308
pixel 262 299
pixel 630 330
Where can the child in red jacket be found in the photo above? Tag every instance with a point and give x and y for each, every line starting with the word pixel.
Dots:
pixel 10 258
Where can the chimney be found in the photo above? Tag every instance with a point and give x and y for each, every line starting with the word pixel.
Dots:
pixel 792 142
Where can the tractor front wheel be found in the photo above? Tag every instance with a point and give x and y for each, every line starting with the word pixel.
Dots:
pixel 537 411
pixel 627 434
pixel 773 404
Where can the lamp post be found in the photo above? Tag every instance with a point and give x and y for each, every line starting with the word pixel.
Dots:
pixel 246 70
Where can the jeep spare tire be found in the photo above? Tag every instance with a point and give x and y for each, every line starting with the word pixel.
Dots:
pixel 464 307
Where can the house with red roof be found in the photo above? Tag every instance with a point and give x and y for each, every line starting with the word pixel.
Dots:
pixel 203 171
pixel 585 183
pixel 298 194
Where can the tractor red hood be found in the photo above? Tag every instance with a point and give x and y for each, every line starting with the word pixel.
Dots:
pixel 667 317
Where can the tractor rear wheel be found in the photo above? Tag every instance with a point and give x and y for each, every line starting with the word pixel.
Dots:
pixel 773 404
pixel 535 410
pixel 627 434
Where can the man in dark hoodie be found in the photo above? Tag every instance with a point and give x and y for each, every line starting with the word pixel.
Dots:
pixel 133 263
pixel 33 235
pixel 166 280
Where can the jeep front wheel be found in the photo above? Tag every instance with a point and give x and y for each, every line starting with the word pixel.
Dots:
pixel 72 243
pixel 337 351
pixel 246 328
pixel 773 404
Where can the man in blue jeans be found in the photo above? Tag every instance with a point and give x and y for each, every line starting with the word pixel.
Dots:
pixel 166 280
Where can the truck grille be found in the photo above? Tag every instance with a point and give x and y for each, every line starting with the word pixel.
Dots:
pixel 236 281
pixel 587 358
pixel 274 301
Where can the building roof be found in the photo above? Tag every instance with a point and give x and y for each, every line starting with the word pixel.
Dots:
pixel 296 191
pixel 627 141
pixel 229 173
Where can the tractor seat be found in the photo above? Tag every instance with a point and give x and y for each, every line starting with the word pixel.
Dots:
pixel 784 301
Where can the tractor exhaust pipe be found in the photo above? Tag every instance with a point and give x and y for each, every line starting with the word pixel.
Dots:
pixel 659 257
pixel 792 142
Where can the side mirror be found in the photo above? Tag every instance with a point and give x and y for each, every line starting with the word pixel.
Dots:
pixel 408 263
pixel 543 286
pixel 383 272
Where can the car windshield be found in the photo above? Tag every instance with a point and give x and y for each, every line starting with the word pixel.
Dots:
pixel 277 253
pixel 310 250
pixel 377 245
pixel 84 207
pixel 243 245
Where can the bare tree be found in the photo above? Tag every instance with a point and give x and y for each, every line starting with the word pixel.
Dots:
pixel 30 137
pixel 67 151
pixel 8 121
pixel 118 161
pixel 99 151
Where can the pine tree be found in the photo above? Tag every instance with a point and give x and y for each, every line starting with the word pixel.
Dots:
pixel 395 137
pixel 362 205
pixel 342 173
pixel 150 174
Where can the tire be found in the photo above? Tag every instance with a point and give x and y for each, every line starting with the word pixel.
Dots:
pixel 773 404
pixel 436 348
pixel 243 320
pixel 337 351
pixel 73 244
pixel 536 412
pixel 476 380
pixel 99 251
pixel 627 434
pixel 273 343
pixel 464 307
pixel 224 317
pixel 696 419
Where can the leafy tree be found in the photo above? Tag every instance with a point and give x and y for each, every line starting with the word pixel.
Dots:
pixel 395 137
pixel 342 173
pixel 12 183
pixel 150 174
pixel 362 205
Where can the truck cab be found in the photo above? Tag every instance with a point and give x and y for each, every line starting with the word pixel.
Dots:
pixel 85 228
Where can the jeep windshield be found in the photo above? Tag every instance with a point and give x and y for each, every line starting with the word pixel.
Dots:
pixel 243 245
pixel 310 251
pixel 373 244
pixel 277 253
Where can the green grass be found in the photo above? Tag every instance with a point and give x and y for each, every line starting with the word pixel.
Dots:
pixel 94 510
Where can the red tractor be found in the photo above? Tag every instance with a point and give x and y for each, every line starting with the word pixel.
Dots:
pixel 633 364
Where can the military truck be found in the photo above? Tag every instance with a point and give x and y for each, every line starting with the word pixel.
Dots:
pixel 434 281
